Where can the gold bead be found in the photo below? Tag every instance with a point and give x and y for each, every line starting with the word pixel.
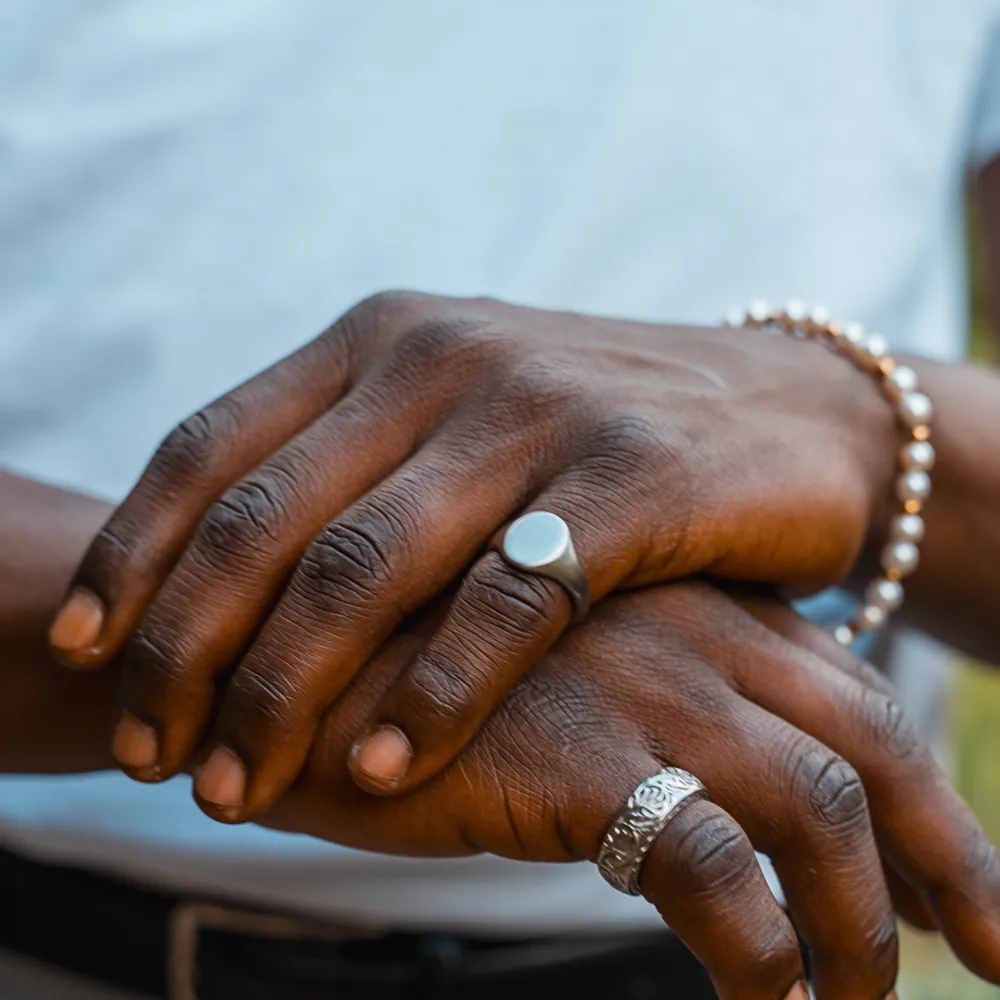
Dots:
pixel 921 432
pixel 894 575
pixel 913 506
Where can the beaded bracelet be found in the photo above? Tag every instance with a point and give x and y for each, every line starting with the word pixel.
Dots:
pixel 914 410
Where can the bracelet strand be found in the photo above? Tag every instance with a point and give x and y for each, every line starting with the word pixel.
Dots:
pixel 913 409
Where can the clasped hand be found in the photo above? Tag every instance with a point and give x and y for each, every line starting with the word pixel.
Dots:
pixel 282 536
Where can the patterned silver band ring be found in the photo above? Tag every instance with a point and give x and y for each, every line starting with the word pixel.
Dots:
pixel 634 830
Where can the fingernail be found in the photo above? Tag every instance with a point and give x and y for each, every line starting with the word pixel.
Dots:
pixel 798 992
pixel 79 622
pixel 222 779
pixel 383 757
pixel 135 744
pixel 892 996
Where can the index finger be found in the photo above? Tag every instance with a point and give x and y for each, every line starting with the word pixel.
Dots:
pixel 135 550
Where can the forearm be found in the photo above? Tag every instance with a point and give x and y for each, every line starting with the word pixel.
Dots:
pixel 955 594
pixel 51 719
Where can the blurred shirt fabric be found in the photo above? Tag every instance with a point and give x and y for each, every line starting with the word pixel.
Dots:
pixel 190 190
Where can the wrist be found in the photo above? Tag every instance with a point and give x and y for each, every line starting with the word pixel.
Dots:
pixel 51 720
pixel 892 405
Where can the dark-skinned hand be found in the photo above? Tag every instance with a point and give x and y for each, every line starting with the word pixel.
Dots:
pixel 806 756
pixel 280 535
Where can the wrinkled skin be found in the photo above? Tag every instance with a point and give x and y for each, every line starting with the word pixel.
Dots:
pixel 287 529
pixel 805 753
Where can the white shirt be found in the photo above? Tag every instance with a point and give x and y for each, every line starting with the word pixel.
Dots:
pixel 189 190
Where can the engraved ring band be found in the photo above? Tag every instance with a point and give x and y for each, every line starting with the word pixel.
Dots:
pixel 644 817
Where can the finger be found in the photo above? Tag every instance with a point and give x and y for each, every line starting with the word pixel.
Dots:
pixel 705 881
pixel 243 552
pixel 825 855
pixel 798 802
pixel 245 548
pixel 924 828
pixel 131 556
pixel 500 624
pixel 703 877
pixel 385 557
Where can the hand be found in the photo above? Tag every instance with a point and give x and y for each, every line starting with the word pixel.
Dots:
pixel 804 752
pixel 288 529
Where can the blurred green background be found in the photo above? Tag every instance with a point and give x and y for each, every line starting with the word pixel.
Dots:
pixel 929 971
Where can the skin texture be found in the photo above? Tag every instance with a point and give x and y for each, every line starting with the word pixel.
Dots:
pixel 810 760
pixel 288 529
pixel 280 535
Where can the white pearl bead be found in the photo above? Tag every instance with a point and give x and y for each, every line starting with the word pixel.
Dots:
pixel 884 594
pixel 844 634
pixel 900 557
pixel 914 408
pixel 907 528
pixel 820 315
pixel 796 310
pixel 913 486
pixel 900 381
pixel 854 334
pixel 871 617
pixel 873 349
pixel 917 456
pixel 760 310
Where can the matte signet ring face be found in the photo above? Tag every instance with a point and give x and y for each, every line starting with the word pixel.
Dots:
pixel 540 542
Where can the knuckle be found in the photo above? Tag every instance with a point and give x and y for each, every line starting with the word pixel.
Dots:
pixel 655 461
pixel 371 320
pixel 391 519
pixel 345 562
pixel 829 789
pixel 541 386
pixel 268 695
pixel 713 854
pixel 440 340
pixel 437 693
pixel 892 729
pixel 245 517
pixel 156 656
pixel 505 602
pixel 112 549
pixel 641 440
pixel 384 308
pixel 193 447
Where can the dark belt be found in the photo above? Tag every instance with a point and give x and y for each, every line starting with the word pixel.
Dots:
pixel 140 939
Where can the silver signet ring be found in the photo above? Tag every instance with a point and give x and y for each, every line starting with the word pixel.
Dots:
pixel 540 542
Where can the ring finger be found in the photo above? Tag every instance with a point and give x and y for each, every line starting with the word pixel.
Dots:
pixel 803 806
pixel 702 875
pixel 501 622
